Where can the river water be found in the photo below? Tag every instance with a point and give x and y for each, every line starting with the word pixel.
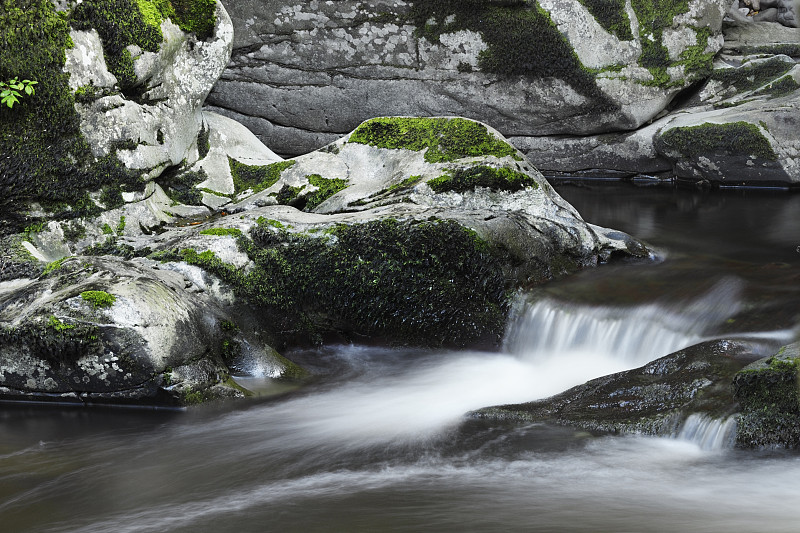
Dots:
pixel 379 441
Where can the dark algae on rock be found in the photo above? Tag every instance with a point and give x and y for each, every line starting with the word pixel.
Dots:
pixel 515 32
pixel 768 392
pixel 421 282
pixel 737 138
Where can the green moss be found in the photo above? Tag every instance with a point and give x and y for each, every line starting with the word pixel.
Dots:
pixel 52 340
pixel 120 229
pixel 111 197
pixel 59 326
pixel 429 282
pixel 256 177
pixel 111 247
pixel 406 183
pixel 203 143
pixel 288 194
pixel 497 179
pixel 697 62
pixel 270 222
pixel 611 15
pixel 747 78
pixel 52 267
pixel 444 139
pixel 654 17
pixel 515 33
pixel 736 138
pixel 325 189
pixel 99 298
pixel 196 16
pixel 120 24
pixel 791 50
pixel 45 157
pixel 221 232
pixel 181 186
pixel 106 229
pixel 780 87
pixel 228 326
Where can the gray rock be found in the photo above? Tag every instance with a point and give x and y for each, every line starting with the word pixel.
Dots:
pixel 155 343
pixel 753 83
pixel 304 74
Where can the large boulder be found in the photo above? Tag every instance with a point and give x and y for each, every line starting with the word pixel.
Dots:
pixel 737 128
pixel 303 74
pixel 106 330
pixel 407 230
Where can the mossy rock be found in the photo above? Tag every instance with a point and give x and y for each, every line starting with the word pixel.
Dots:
pixel 768 392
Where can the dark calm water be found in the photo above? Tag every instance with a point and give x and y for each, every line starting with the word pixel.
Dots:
pixel 379 442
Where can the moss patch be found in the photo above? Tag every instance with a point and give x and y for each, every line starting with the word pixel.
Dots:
pixel 221 232
pixel 654 17
pixel 612 16
pixel 99 298
pixel 325 189
pixel 426 283
pixel 780 87
pixel 445 139
pixel 736 138
pixel 256 177
pixel 181 187
pixel 497 179
pixel 747 78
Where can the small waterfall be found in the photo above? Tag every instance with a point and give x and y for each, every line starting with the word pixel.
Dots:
pixel 709 433
pixel 631 335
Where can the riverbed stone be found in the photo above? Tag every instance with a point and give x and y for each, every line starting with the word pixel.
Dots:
pixel 653 399
pixel 768 391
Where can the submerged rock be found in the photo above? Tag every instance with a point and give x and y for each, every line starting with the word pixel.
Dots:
pixel 653 399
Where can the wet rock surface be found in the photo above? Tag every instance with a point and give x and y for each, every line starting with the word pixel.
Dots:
pixel 653 399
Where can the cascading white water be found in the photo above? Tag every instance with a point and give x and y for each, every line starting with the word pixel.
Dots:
pixel 710 434
pixel 632 336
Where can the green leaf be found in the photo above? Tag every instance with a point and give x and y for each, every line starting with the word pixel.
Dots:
pixel 28 90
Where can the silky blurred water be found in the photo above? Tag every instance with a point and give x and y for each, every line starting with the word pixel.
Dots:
pixel 379 442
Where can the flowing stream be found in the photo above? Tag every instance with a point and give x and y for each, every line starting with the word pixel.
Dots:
pixel 379 441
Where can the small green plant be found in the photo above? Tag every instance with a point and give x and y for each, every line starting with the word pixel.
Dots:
pixel 10 91
pixel 221 232
pixel 121 225
pixel 99 298
pixel 52 267
pixel 57 325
